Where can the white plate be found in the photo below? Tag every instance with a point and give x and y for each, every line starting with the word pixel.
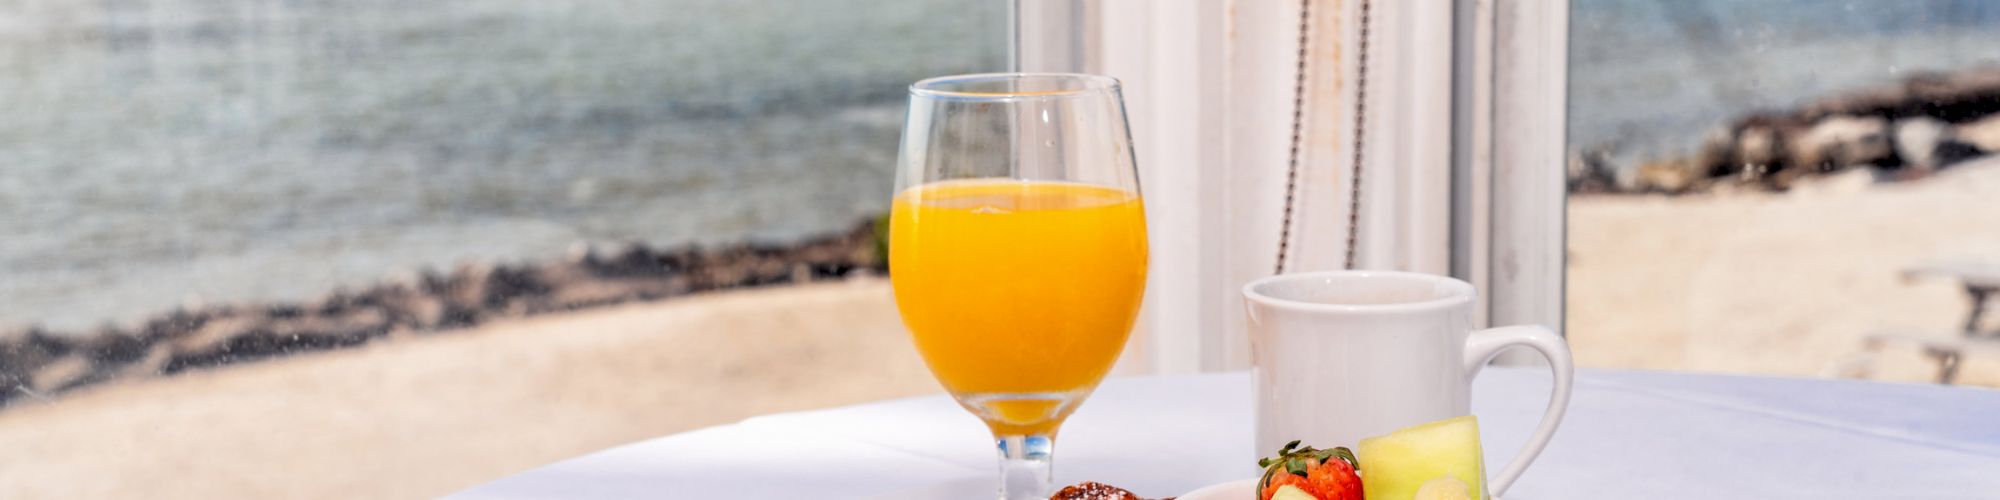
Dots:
pixel 1234 490
pixel 974 487
pixel 1245 489
pixel 982 487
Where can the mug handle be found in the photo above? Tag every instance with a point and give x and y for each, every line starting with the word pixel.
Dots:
pixel 1483 345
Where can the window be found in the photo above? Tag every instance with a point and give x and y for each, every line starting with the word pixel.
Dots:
pixel 284 248
pixel 1792 187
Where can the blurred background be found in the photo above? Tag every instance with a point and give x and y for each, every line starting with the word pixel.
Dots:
pixel 475 233
pixel 319 248
pixel 1791 187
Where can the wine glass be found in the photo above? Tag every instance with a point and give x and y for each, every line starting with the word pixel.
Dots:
pixel 1017 249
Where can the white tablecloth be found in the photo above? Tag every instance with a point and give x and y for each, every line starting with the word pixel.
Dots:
pixel 1628 435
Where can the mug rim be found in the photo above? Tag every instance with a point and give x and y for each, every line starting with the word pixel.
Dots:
pixel 1458 292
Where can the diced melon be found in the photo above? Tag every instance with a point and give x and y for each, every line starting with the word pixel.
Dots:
pixel 1443 488
pixel 1395 466
pixel 1289 492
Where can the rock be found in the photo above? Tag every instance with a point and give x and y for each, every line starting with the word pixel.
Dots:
pixel 1879 101
pixel 1955 97
pixel 35 363
pixel 832 271
pixel 1953 152
pixel 24 357
pixel 99 357
pixel 284 310
pixel 509 283
pixel 467 284
pixel 1983 134
pixel 1592 172
pixel 430 282
pixel 64 374
pixel 178 323
pixel 1758 149
pixel 275 337
pixel 249 344
pixel 1842 141
pixel 419 312
pixel 1926 144
pixel 113 348
pixel 1918 139
pixel 1579 169
pixel 592 295
pixel 33 348
pixel 154 364
pixel 801 273
pixel 455 315
pixel 213 336
pixel 1669 177
pixel 324 332
pixel 1717 154
pixel 638 260
pixel 333 304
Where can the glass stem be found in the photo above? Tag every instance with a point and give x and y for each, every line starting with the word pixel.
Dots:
pixel 1025 463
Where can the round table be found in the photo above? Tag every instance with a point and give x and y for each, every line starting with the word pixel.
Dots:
pixel 1628 435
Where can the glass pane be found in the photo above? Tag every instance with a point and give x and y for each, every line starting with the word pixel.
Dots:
pixel 1795 187
pixel 196 189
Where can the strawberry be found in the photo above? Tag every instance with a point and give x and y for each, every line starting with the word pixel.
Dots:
pixel 1312 470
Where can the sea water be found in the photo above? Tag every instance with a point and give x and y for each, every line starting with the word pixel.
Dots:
pixel 159 152
pixel 1649 77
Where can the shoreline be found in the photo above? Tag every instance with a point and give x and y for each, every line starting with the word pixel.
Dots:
pixel 36 363
pixel 1904 131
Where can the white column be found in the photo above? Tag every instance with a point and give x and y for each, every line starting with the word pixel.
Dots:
pixel 1209 85
pixel 1530 92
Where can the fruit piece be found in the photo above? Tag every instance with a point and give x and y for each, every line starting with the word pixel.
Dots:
pixel 1289 492
pixel 1402 462
pixel 1443 488
pixel 1319 474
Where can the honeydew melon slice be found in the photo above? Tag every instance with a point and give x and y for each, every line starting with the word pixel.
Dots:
pixel 1396 466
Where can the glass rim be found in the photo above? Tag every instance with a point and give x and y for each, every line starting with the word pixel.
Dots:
pixel 938 87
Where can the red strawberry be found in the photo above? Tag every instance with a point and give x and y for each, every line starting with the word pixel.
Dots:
pixel 1314 471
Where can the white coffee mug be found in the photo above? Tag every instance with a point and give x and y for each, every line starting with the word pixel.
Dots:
pixel 1344 355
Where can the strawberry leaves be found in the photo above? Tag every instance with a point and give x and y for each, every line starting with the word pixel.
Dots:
pixel 1344 454
pixel 1299 461
pixel 1265 463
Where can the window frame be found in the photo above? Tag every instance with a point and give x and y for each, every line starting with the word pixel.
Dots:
pixel 1509 201
pixel 1209 86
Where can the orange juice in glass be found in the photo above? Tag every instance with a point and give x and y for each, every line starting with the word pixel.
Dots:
pixel 1019 294
pixel 1017 247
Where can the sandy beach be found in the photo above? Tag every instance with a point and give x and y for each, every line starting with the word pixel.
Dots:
pixel 1778 283
pixel 426 416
